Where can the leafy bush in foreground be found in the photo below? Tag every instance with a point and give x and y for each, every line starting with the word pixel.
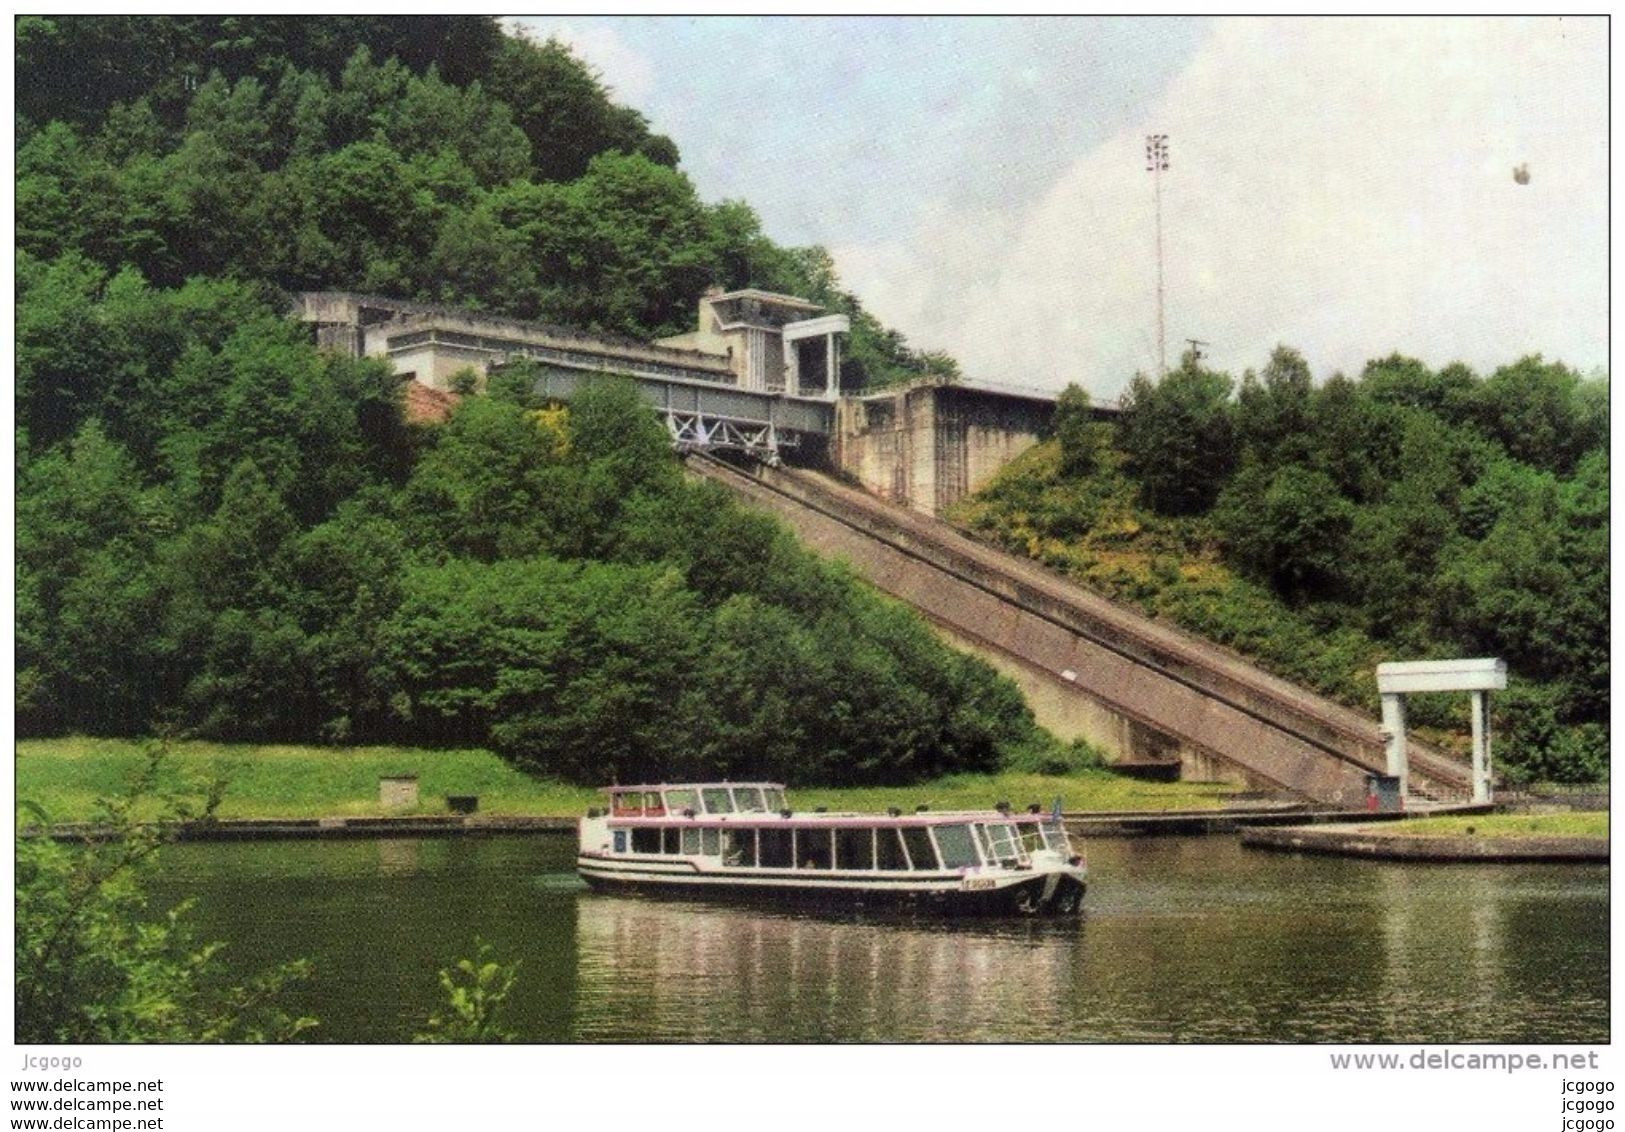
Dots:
pixel 93 966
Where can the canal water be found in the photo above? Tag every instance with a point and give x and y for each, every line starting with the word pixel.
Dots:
pixel 1183 940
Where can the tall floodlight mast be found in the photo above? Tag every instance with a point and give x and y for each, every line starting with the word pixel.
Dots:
pixel 1156 163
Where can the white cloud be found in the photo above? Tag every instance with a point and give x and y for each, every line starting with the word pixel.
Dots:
pixel 1343 186
pixel 629 74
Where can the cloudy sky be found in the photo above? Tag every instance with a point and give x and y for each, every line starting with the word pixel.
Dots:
pixel 1343 186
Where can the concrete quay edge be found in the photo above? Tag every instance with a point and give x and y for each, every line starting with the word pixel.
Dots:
pixel 1400 846
pixel 1116 823
pixel 280 829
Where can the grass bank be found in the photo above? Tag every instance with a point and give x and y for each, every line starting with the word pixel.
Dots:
pixel 1501 825
pixel 66 776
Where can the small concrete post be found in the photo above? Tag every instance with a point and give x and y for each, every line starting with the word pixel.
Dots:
pixel 1481 746
pixel 1393 727
pixel 398 791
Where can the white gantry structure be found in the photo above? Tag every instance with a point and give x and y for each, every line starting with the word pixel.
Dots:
pixel 1479 676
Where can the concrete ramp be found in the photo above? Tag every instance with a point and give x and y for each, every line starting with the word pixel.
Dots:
pixel 1087 650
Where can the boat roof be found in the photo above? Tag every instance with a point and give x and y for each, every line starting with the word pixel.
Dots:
pixel 691 786
pixel 827 821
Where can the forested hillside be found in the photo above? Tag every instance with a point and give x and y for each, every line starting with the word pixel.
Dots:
pixel 1408 514
pixel 222 532
pixel 432 158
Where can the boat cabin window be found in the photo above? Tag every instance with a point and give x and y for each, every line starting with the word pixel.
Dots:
pixel 627 805
pixel 777 848
pixel 814 849
pixel 1055 837
pixel 651 805
pixel 920 853
pixel 710 842
pixel 775 800
pixel 889 850
pixel 645 841
pixel 668 838
pixel 982 847
pixel 691 842
pixel 739 847
pixel 620 841
pixel 956 845
pixel 748 800
pixel 717 800
pixel 679 800
pixel 1002 842
pixel 854 848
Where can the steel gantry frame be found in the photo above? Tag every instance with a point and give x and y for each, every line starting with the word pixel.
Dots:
pixel 694 432
pixel 708 415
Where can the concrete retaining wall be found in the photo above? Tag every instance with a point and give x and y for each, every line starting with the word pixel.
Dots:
pixel 927 446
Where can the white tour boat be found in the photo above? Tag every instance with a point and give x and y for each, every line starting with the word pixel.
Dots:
pixel 740 840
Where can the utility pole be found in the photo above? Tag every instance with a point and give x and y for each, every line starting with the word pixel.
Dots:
pixel 1196 345
pixel 1156 163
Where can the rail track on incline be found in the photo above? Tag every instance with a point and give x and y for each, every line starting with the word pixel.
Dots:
pixel 1172 682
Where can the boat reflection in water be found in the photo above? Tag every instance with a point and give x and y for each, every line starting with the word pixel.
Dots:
pixel 670 971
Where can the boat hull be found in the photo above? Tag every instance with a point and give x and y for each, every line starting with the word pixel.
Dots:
pixel 1042 894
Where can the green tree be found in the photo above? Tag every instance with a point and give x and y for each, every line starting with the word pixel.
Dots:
pixel 634 238
pixel 67 195
pixel 1539 413
pixel 233 582
pixel 1400 537
pixel 761 668
pixel 1535 742
pixel 744 254
pixel 59 367
pixel 1533 589
pixel 1397 380
pixel 577 669
pixel 433 117
pixel 1273 415
pixel 1353 438
pixel 565 111
pixel 490 487
pixel 90 592
pixel 1178 437
pixel 73 69
pixel 1290 528
pixel 611 427
pixel 300 112
pixel 347 584
pixel 195 211
pixel 1081 439
pixel 233 116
